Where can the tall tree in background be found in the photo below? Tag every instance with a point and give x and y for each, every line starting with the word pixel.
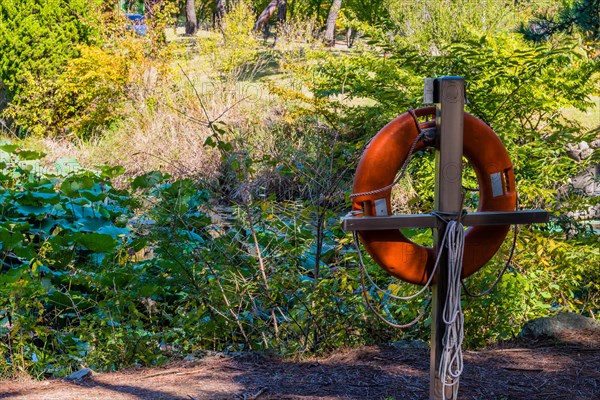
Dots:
pixel 582 15
pixel 265 16
pixel 219 11
pixel 281 11
pixel 191 23
pixel 331 20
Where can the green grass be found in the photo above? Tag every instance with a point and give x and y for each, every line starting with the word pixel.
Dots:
pixel 589 119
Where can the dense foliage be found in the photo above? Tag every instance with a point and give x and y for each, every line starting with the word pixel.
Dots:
pixel 580 15
pixel 234 243
pixel 68 66
pixel 37 38
pixel 520 90
pixel 86 279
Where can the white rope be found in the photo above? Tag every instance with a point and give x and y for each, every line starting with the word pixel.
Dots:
pixel 451 360
pixel 388 292
pixel 363 272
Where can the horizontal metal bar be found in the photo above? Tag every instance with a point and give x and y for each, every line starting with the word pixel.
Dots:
pixel 431 221
pixel 506 217
pixel 387 223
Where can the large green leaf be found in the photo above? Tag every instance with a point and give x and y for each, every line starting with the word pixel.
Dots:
pixel 113 231
pixel 110 171
pixel 91 224
pixel 97 242
pixel 9 148
pixel 66 165
pixel 73 184
pixel 13 274
pixel 148 180
pixel 8 240
pixel 35 211
pixel 30 155
pixel 96 193
pixel 38 197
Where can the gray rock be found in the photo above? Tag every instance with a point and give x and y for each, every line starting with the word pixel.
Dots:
pixel 587 181
pixel 573 151
pixel 581 150
pixel 560 323
pixel 81 374
pixel 574 154
pixel 190 358
pixel 585 153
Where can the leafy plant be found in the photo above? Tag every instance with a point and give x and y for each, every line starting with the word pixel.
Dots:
pixel 234 52
pixel 521 90
pixel 52 224
pixel 581 15
pixel 37 39
pixel 89 95
pixel 96 65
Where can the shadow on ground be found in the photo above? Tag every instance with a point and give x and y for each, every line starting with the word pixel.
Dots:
pixel 532 370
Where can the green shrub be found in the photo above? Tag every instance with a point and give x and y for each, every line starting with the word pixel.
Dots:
pixel 431 25
pixel 58 229
pixel 234 53
pixel 70 66
pixel 87 96
pixel 90 276
pixel 522 91
pixel 37 38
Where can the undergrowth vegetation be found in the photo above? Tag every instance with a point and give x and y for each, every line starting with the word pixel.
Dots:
pixel 191 192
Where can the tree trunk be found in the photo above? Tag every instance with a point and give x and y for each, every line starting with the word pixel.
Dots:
pixel 191 24
pixel 264 16
pixel 331 19
pixel 219 12
pixel 281 11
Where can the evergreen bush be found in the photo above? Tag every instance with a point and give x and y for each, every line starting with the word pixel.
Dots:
pixel 37 38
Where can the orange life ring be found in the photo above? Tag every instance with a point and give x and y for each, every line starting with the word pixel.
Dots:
pixel 378 167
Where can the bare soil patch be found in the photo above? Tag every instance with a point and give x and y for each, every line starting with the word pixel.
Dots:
pixel 568 369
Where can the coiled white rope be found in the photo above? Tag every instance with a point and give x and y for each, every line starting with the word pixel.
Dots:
pixel 388 292
pixel 363 271
pixel 451 360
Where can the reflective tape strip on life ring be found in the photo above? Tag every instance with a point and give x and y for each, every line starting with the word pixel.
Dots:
pixel 378 167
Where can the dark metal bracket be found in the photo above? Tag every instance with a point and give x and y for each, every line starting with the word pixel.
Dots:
pixel 433 221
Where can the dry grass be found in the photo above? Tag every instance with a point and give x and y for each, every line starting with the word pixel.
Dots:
pixel 166 124
pixel 166 119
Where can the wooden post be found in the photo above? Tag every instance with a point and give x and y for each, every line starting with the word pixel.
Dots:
pixel 449 97
pixel 448 93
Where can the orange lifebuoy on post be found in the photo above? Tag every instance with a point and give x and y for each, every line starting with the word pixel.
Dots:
pixel 381 161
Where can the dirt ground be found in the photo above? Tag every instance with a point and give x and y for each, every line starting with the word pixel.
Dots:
pixel 568 369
